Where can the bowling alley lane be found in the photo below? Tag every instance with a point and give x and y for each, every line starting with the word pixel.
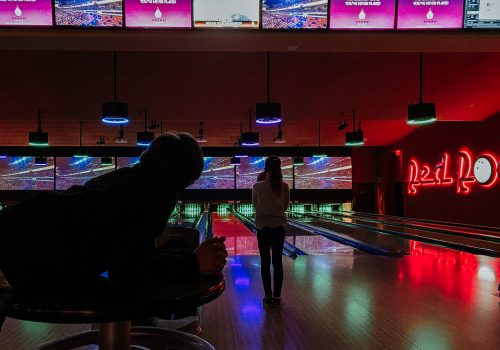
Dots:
pixel 239 239
pixel 429 301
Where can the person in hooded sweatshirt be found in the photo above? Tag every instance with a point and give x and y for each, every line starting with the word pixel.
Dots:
pixel 108 224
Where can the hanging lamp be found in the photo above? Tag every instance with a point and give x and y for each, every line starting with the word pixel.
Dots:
pixel 268 113
pixel 249 138
pixel 318 152
pixel 144 138
pixel 355 137
pixel 114 113
pixel 40 161
pixel 279 138
pixel 421 113
pixel 38 137
pixel 82 153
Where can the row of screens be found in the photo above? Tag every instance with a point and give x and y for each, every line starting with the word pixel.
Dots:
pixel 21 173
pixel 267 14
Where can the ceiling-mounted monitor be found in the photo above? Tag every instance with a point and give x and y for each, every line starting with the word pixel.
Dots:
pixel 218 173
pixel 25 13
pixel 346 14
pixel 25 173
pixel 158 13
pixel 482 14
pixel 226 13
pixel 319 173
pixel 294 14
pixel 89 13
pixel 250 168
pixel 420 14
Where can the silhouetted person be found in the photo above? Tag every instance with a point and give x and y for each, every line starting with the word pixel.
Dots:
pixel 270 199
pixel 261 176
pixel 108 224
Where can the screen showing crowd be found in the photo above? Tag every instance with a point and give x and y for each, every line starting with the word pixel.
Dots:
pixel 294 14
pixel 89 13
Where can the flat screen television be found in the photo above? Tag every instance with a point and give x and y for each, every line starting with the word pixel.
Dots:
pixel 354 14
pixel 72 171
pixel 218 173
pixel 158 13
pixel 126 162
pixel 22 173
pixel 88 13
pixel 226 13
pixel 294 14
pixel 25 13
pixel 424 14
pixel 482 14
pixel 332 173
pixel 249 169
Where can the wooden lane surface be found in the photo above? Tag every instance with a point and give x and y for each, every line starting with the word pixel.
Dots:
pixel 361 302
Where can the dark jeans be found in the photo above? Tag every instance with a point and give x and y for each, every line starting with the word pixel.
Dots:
pixel 271 238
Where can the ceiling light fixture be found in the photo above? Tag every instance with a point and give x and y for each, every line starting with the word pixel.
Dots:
pixel 279 138
pixel 355 137
pixel 298 160
pixel 318 153
pixel 201 134
pixel 144 138
pixel 106 161
pixel 249 138
pixel 81 152
pixel 40 161
pixel 114 113
pixel 121 136
pixel 268 112
pixel 421 113
pixel 38 137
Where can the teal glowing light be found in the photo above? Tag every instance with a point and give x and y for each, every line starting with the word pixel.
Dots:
pixel 38 144
pixel 421 121
pixel 81 155
pixel 359 143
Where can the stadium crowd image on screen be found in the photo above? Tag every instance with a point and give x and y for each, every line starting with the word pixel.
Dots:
pixel 86 13
pixel 294 14
pixel 26 173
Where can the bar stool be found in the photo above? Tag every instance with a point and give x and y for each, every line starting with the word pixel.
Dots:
pixel 113 306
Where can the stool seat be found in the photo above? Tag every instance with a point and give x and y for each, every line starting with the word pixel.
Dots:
pixel 113 305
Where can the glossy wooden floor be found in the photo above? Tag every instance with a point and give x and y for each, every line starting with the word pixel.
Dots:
pixel 442 300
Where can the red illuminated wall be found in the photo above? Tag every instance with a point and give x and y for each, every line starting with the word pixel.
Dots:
pixel 427 144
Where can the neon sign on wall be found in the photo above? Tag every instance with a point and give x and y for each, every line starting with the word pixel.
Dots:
pixel 484 171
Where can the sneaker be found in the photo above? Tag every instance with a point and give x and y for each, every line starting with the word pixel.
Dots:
pixel 276 301
pixel 267 301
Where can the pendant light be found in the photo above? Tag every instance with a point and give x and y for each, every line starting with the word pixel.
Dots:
pixel 3 154
pixel 298 160
pixel 81 152
pixel 249 138
pixel 201 134
pixel 106 161
pixel 144 138
pixel 355 137
pixel 279 138
pixel 268 112
pixel 114 112
pixel 317 152
pixel 421 113
pixel 40 161
pixel 38 137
